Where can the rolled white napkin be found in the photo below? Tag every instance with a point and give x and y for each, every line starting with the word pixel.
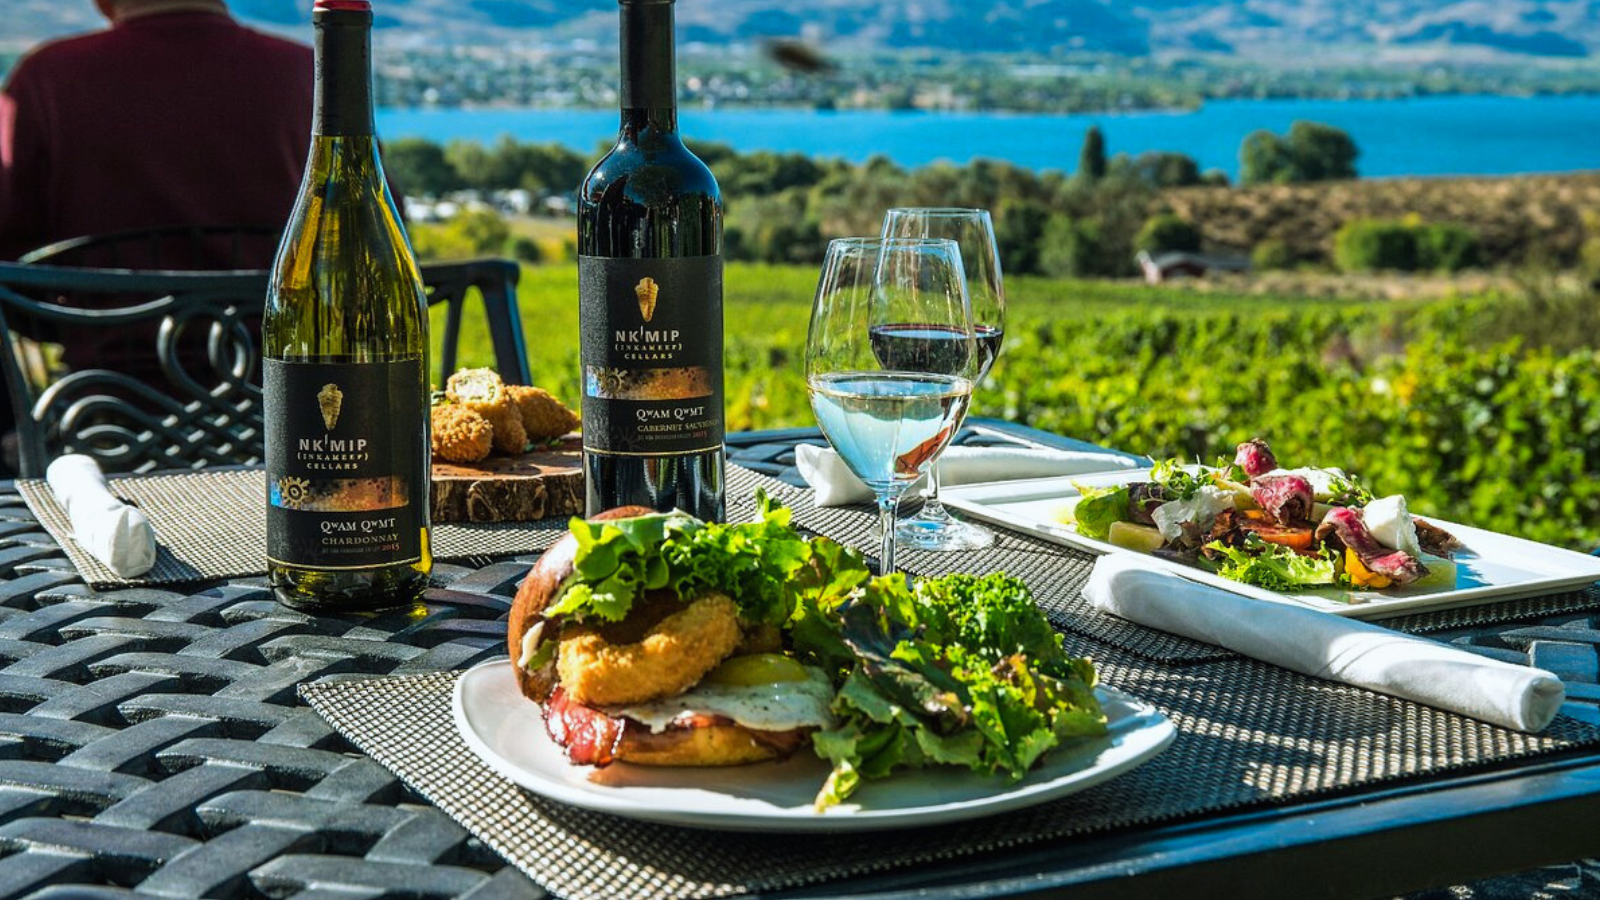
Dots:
pixel 111 531
pixel 836 485
pixel 1326 646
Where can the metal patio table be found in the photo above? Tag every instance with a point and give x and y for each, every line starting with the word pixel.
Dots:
pixel 129 769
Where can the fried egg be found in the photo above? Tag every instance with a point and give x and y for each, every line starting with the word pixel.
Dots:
pixel 772 706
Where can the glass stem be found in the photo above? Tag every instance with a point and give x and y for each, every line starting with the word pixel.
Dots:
pixel 931 507
pixel 888 505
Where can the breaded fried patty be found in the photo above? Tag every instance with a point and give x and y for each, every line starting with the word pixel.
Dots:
pixel 601 667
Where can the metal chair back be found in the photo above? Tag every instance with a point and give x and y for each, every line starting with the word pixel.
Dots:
pixel 173 248
pixel 195 401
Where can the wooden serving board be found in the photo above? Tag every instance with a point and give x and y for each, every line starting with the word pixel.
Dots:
pixel 537 485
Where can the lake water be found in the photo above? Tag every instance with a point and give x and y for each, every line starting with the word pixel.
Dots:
pixel 1477 135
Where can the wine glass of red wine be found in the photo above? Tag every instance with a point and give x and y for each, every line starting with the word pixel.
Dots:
pixel 971 229
pixel 889 407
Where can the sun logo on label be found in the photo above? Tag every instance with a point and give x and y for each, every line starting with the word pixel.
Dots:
pixel 329 399
pixel 647 290
pixel 293 492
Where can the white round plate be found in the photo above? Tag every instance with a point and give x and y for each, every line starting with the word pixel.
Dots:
pixel 507 731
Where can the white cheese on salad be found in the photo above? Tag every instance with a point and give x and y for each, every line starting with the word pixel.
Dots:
pixel 1201 510
pixel 1321 480
pixel 1391 524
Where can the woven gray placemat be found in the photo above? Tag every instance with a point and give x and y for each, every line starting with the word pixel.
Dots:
pixel 212 524
pixel 1250 735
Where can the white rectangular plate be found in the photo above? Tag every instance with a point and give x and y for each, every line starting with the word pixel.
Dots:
pixel 1491 567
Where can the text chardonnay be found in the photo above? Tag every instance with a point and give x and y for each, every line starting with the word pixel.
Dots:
pixel 345 371
pixel 650 296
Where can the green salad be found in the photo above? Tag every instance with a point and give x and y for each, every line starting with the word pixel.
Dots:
pixel 958 670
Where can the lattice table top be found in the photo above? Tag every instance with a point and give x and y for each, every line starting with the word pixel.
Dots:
pixel 151 741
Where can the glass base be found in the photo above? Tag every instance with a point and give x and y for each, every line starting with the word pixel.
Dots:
pixel 934 529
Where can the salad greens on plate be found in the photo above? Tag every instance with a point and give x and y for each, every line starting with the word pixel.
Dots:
pixel 1282 529
pixel 959 670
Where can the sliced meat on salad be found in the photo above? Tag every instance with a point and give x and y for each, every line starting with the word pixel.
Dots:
pixel 1284 529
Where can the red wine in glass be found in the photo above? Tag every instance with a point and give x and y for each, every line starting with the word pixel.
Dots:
pixel 939 349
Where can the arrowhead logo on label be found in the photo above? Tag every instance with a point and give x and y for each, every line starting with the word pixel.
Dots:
pixel 329 399
pixel 647 290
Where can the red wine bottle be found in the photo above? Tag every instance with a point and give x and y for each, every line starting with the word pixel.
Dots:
pixel 650 296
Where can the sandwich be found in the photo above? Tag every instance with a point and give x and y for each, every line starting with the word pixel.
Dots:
pixel 655 639
pixel 665 641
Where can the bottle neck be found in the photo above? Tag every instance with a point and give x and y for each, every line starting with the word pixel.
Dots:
pixel 342 106
pixel 649 68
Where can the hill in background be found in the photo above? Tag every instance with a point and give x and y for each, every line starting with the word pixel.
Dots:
pixel 1250 29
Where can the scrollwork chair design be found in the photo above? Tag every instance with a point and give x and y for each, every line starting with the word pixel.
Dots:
pixel 195 401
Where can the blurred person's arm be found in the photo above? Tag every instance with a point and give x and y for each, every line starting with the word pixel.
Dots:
pixel 22 168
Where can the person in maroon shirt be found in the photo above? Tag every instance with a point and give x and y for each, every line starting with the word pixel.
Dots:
pixel 175 115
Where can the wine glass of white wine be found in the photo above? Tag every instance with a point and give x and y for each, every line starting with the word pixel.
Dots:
pixel 890 402
pixel 933 528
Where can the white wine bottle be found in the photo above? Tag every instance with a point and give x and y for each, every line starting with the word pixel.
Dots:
pixel 650 296
pixel 345 338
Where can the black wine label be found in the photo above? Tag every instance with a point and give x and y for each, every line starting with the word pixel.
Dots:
pixel 652 355
pixel 347 482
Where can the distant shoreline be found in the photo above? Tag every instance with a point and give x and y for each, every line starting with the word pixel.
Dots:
pixel 1458 134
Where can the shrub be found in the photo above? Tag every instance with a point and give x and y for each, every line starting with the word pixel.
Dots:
pixel 1446 247
pixel 1589 258
pixel 1272 253
pixel 1265 158
pixel 524 249
pixel 419 167
pixel 1092 156
pixel 1165 233
pixel 1367 245
pixel 1166 169
pixel 1070 247
pixel 1310 152
pixel 471 232
pixel 1017 232
pixel 773 227
pixel 1322 152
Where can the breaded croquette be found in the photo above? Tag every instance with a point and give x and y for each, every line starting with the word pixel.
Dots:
pixel 460 435
pixel 669 658
pixel 543 416
pixel 482 391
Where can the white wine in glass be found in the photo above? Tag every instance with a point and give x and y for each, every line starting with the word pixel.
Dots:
pixel 889 414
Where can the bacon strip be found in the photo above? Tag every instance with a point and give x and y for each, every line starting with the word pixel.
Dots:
pixel 589 736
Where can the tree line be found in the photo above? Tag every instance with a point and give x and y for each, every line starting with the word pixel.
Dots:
pixel 783 206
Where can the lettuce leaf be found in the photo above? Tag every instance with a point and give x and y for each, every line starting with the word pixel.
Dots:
pixel 960 670
pixel 1274 566
pixel 754 563
pixel 1098 507
pixel 1176 482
